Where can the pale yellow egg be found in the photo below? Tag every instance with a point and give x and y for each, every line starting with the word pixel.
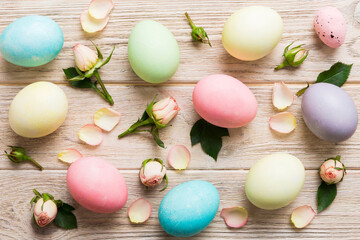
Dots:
pixel 38 110
pixel 252 32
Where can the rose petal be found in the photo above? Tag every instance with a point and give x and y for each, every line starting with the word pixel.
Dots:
pixel 100 9
pixel 282 96
pixel 139 211
pixel 91 135
pixel 106 119
pixel 90 24
pixel 179 157
pixel 69 155
pixel 302 216
pixel 283 122
pixel 357 12
pixel 235 217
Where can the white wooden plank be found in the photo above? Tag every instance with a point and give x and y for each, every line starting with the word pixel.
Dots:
pixel 241 150
pixel 197 61
pixel 339 221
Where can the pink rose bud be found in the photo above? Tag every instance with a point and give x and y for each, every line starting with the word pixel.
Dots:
pixel 332 171
pixel 152 172
pixel 165 110
pixel 44 213
pixel 85 58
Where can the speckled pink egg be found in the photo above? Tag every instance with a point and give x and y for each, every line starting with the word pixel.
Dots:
pixel 224 101
pixel 330 26
pixel 97 185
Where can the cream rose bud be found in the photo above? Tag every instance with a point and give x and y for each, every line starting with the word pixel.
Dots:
pixel 165 110
pixel 45 215
pixel 332 171
pixel 85 58
pixel 153 173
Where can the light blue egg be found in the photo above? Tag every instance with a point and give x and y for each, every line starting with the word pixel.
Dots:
pixel 189 208
pixel 31 41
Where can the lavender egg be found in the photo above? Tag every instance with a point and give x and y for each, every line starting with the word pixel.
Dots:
pixel 329 112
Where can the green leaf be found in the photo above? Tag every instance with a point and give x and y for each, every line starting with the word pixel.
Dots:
pixel 86 83
pixel 209 136
pixel 210 143
pixel 70 72
pixel 195 133
pixel 67 207
pixel 325 195
pixel 337 74
pixel 65 218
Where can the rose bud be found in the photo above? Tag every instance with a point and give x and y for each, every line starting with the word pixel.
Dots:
pixel 293 57
pixel 85 58
pixel 165 110
pixel 153 172
pixel 44 213
pixel 332 171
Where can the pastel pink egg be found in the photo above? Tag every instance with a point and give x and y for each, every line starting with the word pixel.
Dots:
pixel 224 101
pixel 330 26
pixel 97 185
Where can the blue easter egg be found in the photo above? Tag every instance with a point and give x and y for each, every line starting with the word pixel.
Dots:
pixel 31 41
pixel 189 208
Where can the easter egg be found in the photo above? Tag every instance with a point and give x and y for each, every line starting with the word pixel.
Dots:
pixel 330 26
pixel 96 185
pixel 31 41
pixel 252 32
pixel 329 112
pixel 38 110
pixel 224 101
pixel 153 52
pixel 275 181
pixel 188 208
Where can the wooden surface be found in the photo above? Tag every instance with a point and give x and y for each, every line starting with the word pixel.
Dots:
pixel 246 145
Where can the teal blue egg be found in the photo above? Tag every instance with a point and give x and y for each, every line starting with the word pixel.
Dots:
pixel 31 41
pixel 189 208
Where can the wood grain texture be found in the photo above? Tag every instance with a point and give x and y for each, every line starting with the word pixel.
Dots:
pixel 197 60
pixel 244 146
pixel 262 224
pixel 240 151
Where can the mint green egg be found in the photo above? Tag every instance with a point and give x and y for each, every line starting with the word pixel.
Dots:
pixel 153 52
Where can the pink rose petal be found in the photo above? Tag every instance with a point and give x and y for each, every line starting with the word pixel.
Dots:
pixel 91 135
pixel 235 217
pixel 69 155
pixel 179 157
pixel 282 96
pixel 106 118
pixel 90 24
pixel 100 9
pixel 139 211
pixel 283 122
pixel 302 216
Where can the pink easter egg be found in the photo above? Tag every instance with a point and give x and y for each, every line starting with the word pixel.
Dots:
pixel 330 26
pixel 224 101
pixel 97 185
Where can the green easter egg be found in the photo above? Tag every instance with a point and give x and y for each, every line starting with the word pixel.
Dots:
pixel 153 52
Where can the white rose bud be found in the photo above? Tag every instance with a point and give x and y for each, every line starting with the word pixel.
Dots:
pixel 153 173
pixel 85 58
pixel 332 171
pixel 45 215
pixel 165 110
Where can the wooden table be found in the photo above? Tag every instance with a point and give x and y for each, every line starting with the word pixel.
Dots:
pixel 245 146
